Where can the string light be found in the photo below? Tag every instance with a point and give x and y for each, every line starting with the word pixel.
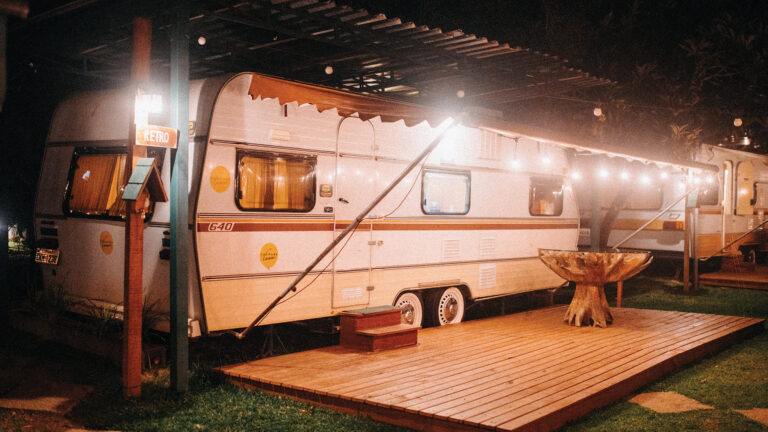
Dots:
pixel 576 175
pixel 624 175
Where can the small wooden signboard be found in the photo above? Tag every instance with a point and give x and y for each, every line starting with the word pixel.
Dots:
pixel 156 136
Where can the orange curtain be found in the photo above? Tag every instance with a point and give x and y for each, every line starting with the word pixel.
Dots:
pixel 115 205
pixel 91 183
pixel 254 177
pixel 299 184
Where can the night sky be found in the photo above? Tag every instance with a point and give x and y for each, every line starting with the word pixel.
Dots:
pixel 609 39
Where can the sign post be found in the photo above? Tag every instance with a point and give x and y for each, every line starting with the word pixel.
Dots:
pixel 133 297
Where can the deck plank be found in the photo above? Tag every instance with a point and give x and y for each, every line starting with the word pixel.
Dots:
pixel 527 371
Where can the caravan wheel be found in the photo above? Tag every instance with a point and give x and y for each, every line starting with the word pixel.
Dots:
pixel 447 306
pixel 411 308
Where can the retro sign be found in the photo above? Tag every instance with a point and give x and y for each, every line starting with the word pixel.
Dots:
pixel 156 136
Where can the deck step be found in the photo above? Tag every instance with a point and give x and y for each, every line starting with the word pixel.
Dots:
pixel 735 263
pixel 376 328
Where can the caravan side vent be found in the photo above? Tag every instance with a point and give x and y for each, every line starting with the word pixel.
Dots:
pixel 451 249
pixel 487 247
pixel 486 276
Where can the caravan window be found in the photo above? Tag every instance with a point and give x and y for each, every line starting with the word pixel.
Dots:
pixel 275 182
pixel 545 197
pixel 708 193
pixel 95 185
pixel 445 192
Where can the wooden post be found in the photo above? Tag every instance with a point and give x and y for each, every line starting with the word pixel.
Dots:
pixel 179 350
pixel 619 289
pixel 134 227
pixel 687 251
pixel 5 289
pixel 3 80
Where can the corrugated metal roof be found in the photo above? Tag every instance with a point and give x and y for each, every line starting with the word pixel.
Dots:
pixel 299 39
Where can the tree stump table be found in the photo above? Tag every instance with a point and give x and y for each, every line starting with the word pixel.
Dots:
pixel 590 271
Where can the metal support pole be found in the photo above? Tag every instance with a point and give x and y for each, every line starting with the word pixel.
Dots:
pixel 597 211
pixel 179 349
pixel 134 227
pixel 694 247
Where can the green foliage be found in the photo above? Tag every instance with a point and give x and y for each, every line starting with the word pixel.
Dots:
pixel 210 405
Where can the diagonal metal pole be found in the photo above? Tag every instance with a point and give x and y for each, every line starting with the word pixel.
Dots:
pixel 179 348
pixel 292 287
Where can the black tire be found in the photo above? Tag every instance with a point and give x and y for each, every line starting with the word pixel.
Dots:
pixel 446 306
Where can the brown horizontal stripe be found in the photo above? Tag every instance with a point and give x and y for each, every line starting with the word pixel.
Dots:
pixel 710 211
pixel 379 226
pixel 633 224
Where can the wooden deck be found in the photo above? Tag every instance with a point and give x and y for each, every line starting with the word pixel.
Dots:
pixel 757 279
pixel 527 371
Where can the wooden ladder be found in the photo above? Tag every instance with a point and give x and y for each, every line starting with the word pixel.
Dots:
pixel 376 328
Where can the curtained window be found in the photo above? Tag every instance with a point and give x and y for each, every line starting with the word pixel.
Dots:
pixel 96 185
pixel 445 192
pixel 276 182
pixel 545 197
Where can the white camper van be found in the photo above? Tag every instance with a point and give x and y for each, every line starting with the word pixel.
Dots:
pixel 732 199
pixel 277 169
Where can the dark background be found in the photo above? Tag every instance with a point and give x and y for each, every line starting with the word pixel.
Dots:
pixel 645 46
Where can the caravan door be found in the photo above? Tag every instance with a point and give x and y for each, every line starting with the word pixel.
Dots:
pixel 355 188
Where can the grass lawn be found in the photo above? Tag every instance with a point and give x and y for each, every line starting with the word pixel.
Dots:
pixel 734 379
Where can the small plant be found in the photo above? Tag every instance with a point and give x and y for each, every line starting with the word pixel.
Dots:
pixel 151 315
pixel 51 304
pixel 104 319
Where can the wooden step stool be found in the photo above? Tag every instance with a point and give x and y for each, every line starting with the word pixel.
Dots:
pixel 376 328
pixel 735 263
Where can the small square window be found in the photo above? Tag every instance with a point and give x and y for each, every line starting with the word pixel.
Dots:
pixel 95 185
pixel 545 197
pixel 445 192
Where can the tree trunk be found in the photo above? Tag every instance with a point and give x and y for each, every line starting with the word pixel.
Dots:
pixel 606 225
pixel 589 306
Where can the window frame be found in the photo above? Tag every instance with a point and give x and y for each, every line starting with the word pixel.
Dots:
pixel 80 151
pixel 465 173
pixel 240 153
pixel 83 151
pixel 546 180
pixel 717 187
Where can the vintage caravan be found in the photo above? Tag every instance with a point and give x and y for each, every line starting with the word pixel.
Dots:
pixel 277 169
pixel 730 205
